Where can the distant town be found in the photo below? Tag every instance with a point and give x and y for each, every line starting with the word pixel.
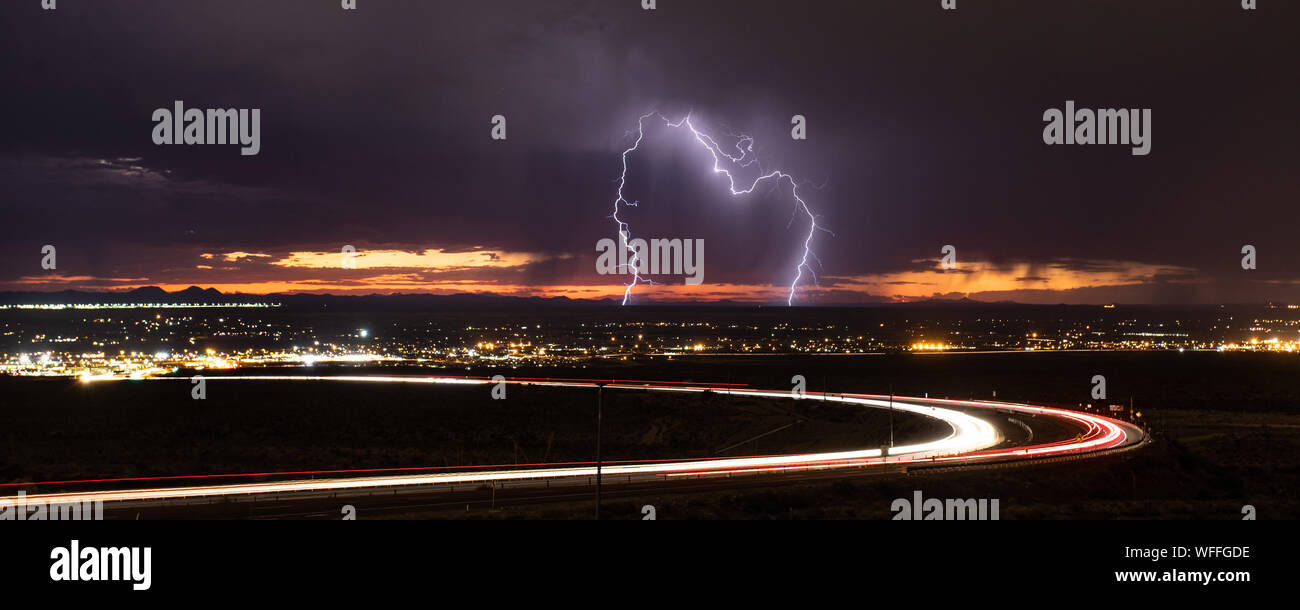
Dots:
pixel 137 339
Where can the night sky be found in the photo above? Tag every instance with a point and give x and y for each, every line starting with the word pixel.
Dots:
pixel 924 129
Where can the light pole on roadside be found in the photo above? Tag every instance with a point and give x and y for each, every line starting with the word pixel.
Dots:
pixel 600 392
pixel 891 416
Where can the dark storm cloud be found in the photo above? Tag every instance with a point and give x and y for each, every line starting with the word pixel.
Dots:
pixel 924 131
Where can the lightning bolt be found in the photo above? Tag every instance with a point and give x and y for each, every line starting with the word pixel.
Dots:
pixel 744 157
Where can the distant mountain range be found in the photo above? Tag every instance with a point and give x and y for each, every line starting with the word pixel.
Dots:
pixel 424 302
pixel 369 302
pixel 145 294
pixel 212 296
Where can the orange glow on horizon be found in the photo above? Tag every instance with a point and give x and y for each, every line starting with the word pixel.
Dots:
pixel 972 279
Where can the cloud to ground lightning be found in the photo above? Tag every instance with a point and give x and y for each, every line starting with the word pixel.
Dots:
pixel 722 161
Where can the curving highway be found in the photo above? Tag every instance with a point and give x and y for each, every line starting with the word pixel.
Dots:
pixel 974 438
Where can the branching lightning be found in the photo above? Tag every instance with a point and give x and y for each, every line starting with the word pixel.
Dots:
pixel 744 158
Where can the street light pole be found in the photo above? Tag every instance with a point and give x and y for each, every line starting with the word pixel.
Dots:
pixel 891 416
pixel 600 393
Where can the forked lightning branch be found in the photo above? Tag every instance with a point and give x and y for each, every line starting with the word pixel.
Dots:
pixel 632 252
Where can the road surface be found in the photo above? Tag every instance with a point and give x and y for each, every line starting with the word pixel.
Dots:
pixel 974 438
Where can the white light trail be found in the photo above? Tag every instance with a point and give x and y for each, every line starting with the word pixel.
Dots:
pixel 969 441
